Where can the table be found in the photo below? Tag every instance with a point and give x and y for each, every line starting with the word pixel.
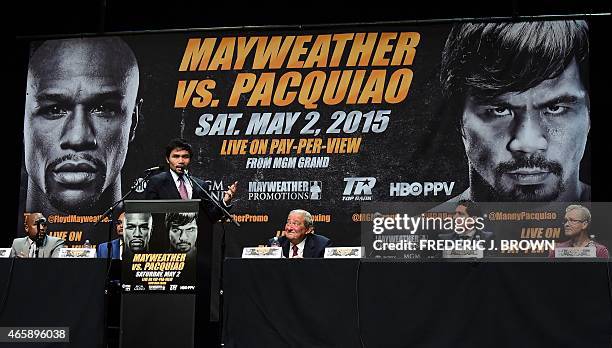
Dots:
pixel 55 292
pixel 353 303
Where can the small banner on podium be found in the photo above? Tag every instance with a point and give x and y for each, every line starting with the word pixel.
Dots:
pixel 5 252
pixel 570 252
pixel 77 253
pixel 262 253
pixel 344 253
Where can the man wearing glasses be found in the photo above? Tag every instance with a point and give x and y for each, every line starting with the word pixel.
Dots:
pixel 576 226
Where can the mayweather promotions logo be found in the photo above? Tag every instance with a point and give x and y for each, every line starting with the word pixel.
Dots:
pixel 284 190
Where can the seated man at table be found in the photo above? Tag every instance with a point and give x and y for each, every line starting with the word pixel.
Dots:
pixel 299 240
pixel 116 249
pixel 576 227
pixel 466 216
pixel 36 243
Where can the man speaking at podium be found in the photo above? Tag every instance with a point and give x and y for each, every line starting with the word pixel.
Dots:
pixel 177 183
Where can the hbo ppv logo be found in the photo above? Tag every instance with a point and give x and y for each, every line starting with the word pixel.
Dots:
pixel 428 188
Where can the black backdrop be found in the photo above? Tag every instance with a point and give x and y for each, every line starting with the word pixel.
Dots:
pixel 106 16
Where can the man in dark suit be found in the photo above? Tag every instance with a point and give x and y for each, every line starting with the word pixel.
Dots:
pixel 464 211
pixel 116 249
pixel 468 228
pixel 299 240
pixel 173 184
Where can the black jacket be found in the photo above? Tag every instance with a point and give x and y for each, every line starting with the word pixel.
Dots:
pixel 314 247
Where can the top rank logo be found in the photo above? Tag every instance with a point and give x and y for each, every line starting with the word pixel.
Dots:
pixel 358 189
pixel 284 190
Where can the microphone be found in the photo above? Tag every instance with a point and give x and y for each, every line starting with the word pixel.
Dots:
pixel 154 169
pixel 39 235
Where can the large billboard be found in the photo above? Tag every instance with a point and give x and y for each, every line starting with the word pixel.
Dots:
pixel 322 119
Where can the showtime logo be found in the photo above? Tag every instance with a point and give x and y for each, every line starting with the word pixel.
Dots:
pixel 140 185
pixel 428 188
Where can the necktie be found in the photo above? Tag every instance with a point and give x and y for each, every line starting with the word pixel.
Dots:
pixel 295 250
pixel 183 188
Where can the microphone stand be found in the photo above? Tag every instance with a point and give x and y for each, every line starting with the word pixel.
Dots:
pixel 210 198
pixel 111 224
pixel 38 241
pixel 222 252
pixel 109 211
pixel 221 298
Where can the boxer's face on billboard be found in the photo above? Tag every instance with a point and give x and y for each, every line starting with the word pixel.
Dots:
pixel 79 116
pixel 528 145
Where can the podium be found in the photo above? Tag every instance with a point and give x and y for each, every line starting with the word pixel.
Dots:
pixel 158 302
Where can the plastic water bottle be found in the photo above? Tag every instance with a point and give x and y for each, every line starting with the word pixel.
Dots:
pixel 275 242
pixel 87 245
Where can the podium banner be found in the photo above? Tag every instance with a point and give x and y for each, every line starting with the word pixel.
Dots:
pixel 160 246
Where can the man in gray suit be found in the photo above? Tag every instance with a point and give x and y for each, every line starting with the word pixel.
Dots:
pixel 36 243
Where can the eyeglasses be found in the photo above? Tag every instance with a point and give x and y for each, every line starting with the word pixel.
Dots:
pixel 572 221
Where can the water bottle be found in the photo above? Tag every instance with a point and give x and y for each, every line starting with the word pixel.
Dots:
pixel 275 242
pixel 87 245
